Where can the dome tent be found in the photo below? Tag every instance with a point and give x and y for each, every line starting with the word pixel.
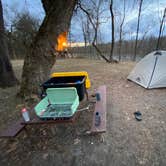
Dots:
pixel 150 72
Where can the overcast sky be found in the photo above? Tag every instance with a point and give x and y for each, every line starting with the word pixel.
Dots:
pixel 151 12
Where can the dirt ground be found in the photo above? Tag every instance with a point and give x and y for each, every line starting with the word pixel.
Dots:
pixel 127 142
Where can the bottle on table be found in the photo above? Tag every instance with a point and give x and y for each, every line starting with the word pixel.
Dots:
pixel 97 119
pixel 25 114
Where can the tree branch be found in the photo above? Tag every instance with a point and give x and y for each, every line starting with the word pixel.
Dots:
pixel 95 27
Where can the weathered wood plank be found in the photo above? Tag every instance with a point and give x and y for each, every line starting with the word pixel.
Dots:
pixel 100 108
pixel 13 129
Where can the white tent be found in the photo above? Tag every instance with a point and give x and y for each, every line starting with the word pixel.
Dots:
pixel 150 72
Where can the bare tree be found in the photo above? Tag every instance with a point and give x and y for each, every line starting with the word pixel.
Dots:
pixel 24 29
pixel 113 29
pixel 161 28
pixel 41 56
pixel 95 22
pixel 83 25
pixel 10 43
pixel 138 24
pixel 140 43
pixel 85 29
pixel 7 77
pixel 121 29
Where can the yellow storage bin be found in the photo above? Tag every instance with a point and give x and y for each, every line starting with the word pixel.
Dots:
pixel 77 73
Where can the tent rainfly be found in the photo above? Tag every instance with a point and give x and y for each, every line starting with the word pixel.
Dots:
pixel 150 72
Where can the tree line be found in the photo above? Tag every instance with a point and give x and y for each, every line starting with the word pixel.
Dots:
pixel 126 52
pixel 97 13
pixel 24 28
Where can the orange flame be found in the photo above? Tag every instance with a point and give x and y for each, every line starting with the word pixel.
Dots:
pixel 62 41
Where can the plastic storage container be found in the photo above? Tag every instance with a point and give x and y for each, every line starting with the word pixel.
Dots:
pixel 59 103
pixel 72 74
pixel 77 82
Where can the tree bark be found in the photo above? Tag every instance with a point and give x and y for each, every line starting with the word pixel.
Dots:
pixel 7 77
pixel 84 30
pixel 10 45
pixel 161 27
pixel 113 27
pixel 138 23
pixel 121 29
pixel 41 56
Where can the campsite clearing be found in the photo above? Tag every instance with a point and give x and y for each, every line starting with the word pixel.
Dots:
pixel 126 142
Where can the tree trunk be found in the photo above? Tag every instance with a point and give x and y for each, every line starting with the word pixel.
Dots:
pixel 41 56
pixel 84 32
pixel 121 30
pixel 113 27
pixel 7 77
pixel 136 40
pixel 10 44
pixel 161 27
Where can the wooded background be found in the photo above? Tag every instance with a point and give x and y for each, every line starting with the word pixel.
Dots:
pixel 34 40
pixel 90 18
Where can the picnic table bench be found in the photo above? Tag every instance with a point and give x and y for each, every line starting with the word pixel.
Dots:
pixel 100 108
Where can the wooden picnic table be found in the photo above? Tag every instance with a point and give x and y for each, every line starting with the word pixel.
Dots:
pixel 100 106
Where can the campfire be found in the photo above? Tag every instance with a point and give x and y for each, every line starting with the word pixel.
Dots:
pixel 62 46
pixel 62 42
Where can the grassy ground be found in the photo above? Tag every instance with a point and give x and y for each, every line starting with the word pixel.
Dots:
pixel 127 142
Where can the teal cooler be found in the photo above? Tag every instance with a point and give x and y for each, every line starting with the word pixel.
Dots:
pixel 59 103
